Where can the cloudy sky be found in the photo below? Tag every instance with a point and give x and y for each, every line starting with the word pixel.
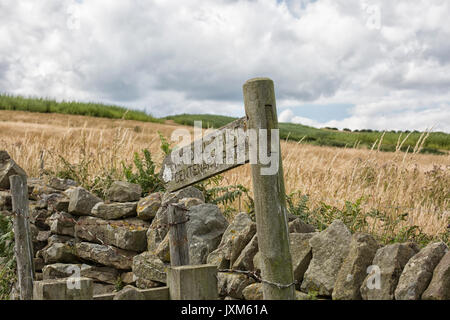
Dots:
pixel 377 64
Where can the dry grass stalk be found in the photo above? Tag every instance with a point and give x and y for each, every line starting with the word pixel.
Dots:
pixel 392 182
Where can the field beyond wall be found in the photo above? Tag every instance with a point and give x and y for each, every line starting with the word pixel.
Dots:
pixel 413 187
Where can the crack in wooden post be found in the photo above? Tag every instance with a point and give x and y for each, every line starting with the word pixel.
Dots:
pixel 23 246
pixel 269 196
pixel 178 238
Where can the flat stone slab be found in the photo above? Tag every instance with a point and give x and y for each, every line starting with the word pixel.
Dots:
pixel 149 267
pixel 122 191
pixel 62 270
pixel 133 293
pixel 105 255
pixel 127 234
pixel 106 296
pixel 114 211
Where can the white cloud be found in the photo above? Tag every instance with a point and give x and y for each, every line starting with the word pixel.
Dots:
pixel 193 56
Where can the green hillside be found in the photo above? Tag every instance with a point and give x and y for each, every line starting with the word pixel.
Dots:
pixel 10 102
pixel 436 142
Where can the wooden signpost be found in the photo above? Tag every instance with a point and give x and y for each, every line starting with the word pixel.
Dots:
pixel 269 191
pixel 178 176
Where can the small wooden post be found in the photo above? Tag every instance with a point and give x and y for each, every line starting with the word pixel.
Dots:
pixel 178 241
pixel 193 282
pixel 269 196
pixel 22 237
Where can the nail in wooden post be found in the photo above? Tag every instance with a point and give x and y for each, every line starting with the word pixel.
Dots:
pixel 269 195
pixel 178 241
pixel 22 237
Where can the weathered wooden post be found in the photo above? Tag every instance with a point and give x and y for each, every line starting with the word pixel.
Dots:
pixel 22 237
pixel 178 241
pixel 269 196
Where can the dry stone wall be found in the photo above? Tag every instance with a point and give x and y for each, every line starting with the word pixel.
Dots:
pixel 123 241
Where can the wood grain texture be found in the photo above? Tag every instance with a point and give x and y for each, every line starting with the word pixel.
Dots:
pixel 178 239
pixel 22 236
pixel 178 176
pixel 269 196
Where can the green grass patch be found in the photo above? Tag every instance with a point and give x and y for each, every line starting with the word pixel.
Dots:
pixel 436 142
pixel 11 102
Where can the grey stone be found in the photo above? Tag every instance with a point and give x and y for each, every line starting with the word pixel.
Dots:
pixel 388 265
pixel 60 204
pixel 190 202
pixel 105 255
pixel 301 296
pixel 329 249
pixel 5 200
pixel 59 252
pixel 102 288
pixel 114 211
pixel 235 238
pixel 61 184
pixel 121 191
pixel 205 228
pixel 298 226
pixel 147 266
pixel 353 270
pixel 245 259
pixel 8 168
pixel 40 192
pixel 253 292
pixel 417 274
pixel 128 278
pixel 232 284
pixel 163 250
pixel 38 264
pixel 257 263
pixel 37 239
pixel 132 293
pixel 62 270
pixel 174 197
pixel 439 287
pixel 62 223
pixel 82 202
pixel 148 206
pixel 301 253
pixel 39 218
pixel 147 284
pixel 128 234
pixel 43 236
pixel 158 228
pixel 55 238
pixel 106 296
pixel 128 293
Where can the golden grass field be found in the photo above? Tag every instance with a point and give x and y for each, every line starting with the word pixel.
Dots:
pixel 394 183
